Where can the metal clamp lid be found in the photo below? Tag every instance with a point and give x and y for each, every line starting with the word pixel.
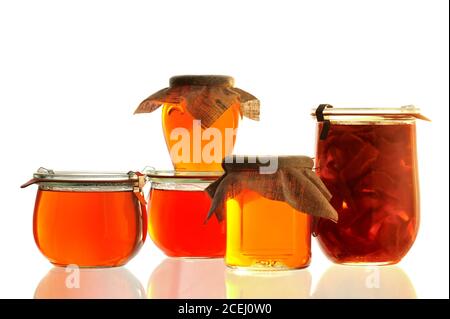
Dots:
pixel 326 113
pixel 44 175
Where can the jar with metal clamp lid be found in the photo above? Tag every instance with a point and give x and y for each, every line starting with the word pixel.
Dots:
pixel 178 209
pixel 367 159
pixel 89 219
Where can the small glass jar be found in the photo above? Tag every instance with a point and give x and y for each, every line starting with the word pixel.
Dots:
pixel 178 208
pixel 266 234
pixel 268 205
pixel 367 159
pixel 89 219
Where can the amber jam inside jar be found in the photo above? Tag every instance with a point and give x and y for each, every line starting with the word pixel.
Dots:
pixel 266 234
pixel 268 203
pixel 178 208
pixel 368 162
pixel 88 219
pixel 199 149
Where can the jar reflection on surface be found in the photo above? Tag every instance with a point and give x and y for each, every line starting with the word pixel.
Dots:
pixel 365 282
pixel 267 284
pixel 194 157
pixel 180 278
pixel 266 234
pixel 177 220
pixel 371 171
pixel 84 283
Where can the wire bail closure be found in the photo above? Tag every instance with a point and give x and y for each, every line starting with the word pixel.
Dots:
pixel 320 118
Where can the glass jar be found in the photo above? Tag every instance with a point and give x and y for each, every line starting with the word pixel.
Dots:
pixel 200 117
pixel 199 149
pixel 367 159
pixel 268 210
pixel 266 234
pixel 178 208
pixel 89 219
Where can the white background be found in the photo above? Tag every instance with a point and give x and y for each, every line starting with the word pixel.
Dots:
pixel 72 73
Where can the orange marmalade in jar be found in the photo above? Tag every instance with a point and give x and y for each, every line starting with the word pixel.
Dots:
pixel 367 159
pixel 89 219
pixel 178 209
pixel 200 117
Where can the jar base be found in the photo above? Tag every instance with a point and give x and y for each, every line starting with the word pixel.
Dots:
pixel 86 266
pixel 261 268
pixel 366 263
pixel 195 257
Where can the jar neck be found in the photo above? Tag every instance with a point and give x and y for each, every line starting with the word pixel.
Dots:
pixel 181 186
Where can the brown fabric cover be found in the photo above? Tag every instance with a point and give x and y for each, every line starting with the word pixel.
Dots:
pixel 294 182
pixel 206 98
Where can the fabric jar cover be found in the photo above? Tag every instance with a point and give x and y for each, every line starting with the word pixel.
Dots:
pixel 206 97
pixel 293 182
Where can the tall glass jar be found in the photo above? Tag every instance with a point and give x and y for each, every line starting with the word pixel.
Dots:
pixel 367 159
pixel 200 117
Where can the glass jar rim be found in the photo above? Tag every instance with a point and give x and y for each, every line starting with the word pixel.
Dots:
pixel 84 176
pixel 401 113
pixel 49 176
pixel 201 80
pixel 171 176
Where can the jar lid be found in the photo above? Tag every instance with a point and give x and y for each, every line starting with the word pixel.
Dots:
pixel 407 111
pixel 44 175
pixel 163 176
pixel 202 80
pixel 206 98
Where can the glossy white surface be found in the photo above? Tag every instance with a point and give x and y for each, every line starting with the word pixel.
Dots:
pixel 210 278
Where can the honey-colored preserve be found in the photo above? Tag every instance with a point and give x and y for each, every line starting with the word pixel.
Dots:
pixel 200 116
pixel 200 149
pixel 371 171
pixel 88 228
pixel 266 234
pixel 178 226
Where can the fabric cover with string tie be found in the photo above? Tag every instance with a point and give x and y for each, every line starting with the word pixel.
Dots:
pixel 293 182
pixel 206 97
